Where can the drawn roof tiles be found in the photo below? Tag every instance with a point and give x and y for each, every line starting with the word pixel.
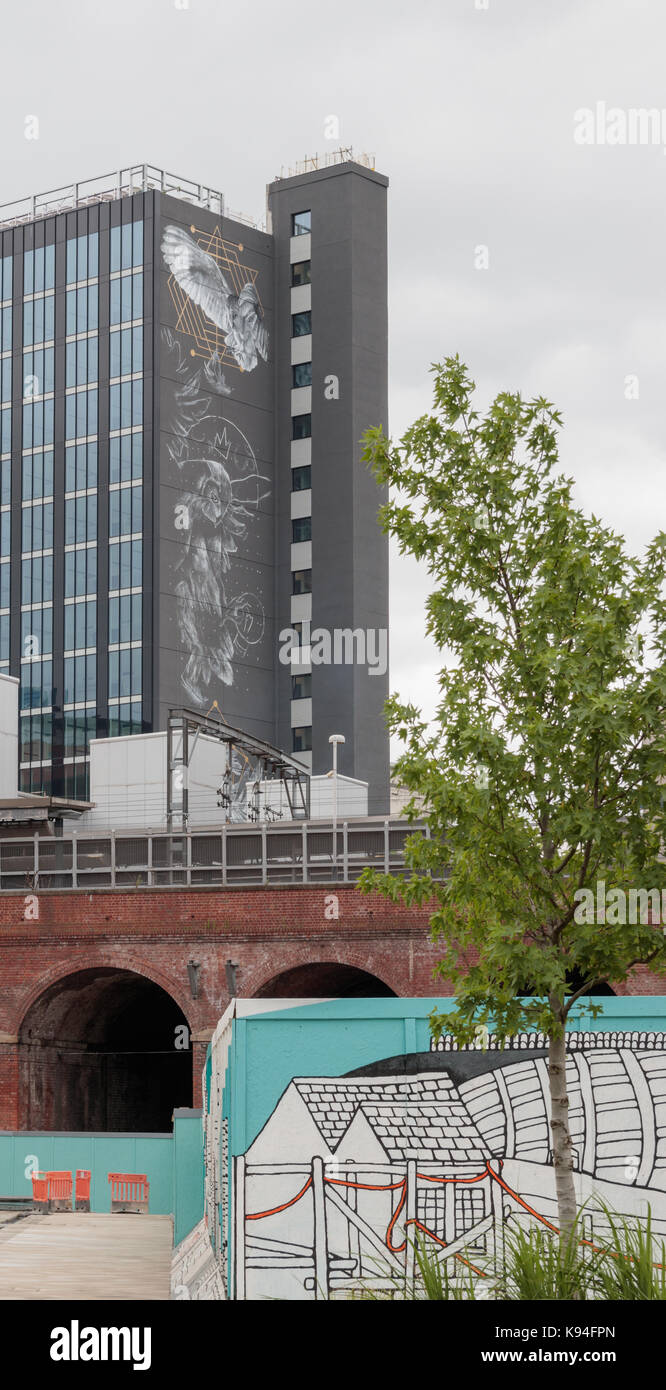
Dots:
pixel 417 1117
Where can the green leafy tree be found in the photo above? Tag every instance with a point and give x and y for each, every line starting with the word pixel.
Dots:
pixel 541 775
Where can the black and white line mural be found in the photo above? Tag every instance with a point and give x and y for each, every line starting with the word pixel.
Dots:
pixel 346 1169
pixel 219 490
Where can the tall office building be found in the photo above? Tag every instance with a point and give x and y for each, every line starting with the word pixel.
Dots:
pixel 182 398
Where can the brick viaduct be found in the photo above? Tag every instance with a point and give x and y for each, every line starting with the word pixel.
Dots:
pixel 101 978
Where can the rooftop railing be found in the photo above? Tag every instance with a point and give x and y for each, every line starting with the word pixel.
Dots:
pixel 343 155
pixel 231 856
pixel 140 178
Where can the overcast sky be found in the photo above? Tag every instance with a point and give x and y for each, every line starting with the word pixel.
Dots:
pixel 470 112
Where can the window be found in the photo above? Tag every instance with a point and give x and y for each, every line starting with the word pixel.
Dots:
pixel 37 372
pixel 37 423
pixel 301 374
pixel 5 482
pixel 300 223
pixel 35 779
pixel 81 571
pixel 80 726
pixel 126 298
pixel 80 679
pixel 301 739
pixel 125 405
pixel 126 246
pixel 126 457
pixel 125 672
pixel 81 413
pixel 6 380
pixel 301 478
pixel 301 426
pixel 300 273
pixel 80 467
pixel 38 320
pixel 36 684
pixel 301 687
pixel 125 618
pixel 76 777
pixel 39 270
pixel 81 362
pixel 301 582
pixel 37 580
pixel 82 258
pixel 37 527
pixel 126 510
pixel 80 519
pixel 36 632
pixel 4 637
pixel 301 324
pixel 125 718
pixel 5 277
pixel 5 430
pixel 125 351
pixel 37 472
pixel 35 734
pixel 301 529
pixel 6 328
pixel 81 311
pixel 80 625
pixel 125 564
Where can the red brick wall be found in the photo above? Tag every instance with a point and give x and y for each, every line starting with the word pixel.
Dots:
pixel 155 932
pixel 265 931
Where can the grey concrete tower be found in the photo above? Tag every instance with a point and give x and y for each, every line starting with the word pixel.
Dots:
pixel 329 230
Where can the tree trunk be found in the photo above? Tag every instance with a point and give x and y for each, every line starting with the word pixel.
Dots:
pixel 559 1124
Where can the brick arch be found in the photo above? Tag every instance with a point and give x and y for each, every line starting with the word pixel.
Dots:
pixel 305 966
pixel 99 1048
pixel 117 958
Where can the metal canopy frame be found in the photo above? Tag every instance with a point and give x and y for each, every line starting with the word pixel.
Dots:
pixel 183 729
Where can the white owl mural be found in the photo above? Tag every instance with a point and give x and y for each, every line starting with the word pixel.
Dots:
pixel 238 315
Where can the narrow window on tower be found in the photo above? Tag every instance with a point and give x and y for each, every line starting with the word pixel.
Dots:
pixel 301 324
pixel 300 273
pixel 301 739
pixel 301 529
pixel 301 426
pixel 301 478
pixel 301 582
pixel 300 223
pixel 301 374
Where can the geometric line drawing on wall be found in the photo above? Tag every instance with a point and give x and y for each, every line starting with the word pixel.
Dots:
pixel 215 297
pixel 346 1169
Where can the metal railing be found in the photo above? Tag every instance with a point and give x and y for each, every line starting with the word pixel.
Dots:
pixel 343 155
pixel 140 178
pixel 226 857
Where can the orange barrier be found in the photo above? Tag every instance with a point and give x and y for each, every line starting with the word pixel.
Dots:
pixel 129 1192
pixel 82 1190
pixel 60 1190
pixel 40 1191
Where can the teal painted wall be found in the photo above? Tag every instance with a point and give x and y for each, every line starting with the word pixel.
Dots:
pixel 331 1038
pixel 188 1174
pixel 171 1162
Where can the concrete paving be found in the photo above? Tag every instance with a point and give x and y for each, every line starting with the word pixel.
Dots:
pixel 84 1255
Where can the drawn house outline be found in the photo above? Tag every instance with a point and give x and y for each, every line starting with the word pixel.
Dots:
pixel 344 1165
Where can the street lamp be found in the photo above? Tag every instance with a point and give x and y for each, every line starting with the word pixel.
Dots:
pixel 335 739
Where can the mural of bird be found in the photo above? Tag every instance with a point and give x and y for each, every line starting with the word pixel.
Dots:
pixel 239 316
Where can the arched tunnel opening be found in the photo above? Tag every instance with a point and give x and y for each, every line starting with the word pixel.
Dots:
pixel 103 1049
pixel 325 980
